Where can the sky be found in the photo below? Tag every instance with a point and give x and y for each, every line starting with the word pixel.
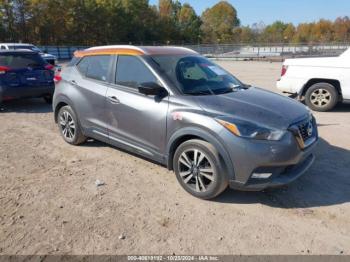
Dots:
pixel 268 11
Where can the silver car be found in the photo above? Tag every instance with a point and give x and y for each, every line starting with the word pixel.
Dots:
pixel 175 107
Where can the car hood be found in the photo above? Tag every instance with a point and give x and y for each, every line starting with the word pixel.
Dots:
pixel 255 105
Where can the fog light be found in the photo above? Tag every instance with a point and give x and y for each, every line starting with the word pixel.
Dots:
pixel 261 175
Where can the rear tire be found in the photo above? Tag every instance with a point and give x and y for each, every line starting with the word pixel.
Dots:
pixel 69 126
pixel 199 169
pixel 321 97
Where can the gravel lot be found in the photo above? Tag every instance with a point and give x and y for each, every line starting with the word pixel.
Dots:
pixel 49 203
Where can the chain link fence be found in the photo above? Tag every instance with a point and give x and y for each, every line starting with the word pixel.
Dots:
pixel 236 51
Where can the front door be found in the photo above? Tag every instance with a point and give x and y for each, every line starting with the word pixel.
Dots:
pixel 135 121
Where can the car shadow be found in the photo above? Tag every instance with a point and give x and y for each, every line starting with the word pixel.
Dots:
pixel 341 108
pixel 94 143
pixel 35 105
pixel 326 183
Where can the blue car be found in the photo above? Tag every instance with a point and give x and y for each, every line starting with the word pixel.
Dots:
pixel 25 74
pixel 51 59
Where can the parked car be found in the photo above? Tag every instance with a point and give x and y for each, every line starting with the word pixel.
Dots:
pixel 51 59
pixel 322 82
pixel 24 74
pixel 177 108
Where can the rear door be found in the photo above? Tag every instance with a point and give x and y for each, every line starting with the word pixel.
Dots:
pixel 90 80
pixel 136 121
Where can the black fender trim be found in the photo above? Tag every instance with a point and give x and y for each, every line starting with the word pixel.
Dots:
pixel 61 99
pixel 210 138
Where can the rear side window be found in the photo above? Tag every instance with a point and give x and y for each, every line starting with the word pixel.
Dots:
pixel 83 65
pixel 95 67
pixel 132 72
pixel 16 61
pixel 73 62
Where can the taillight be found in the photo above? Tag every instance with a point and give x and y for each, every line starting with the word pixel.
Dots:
pixel 57 78
pixel 49 67
pixel 4 69
pixel 284 70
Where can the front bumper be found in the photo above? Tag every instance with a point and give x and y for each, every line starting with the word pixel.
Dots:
pixel 285 160
pixel 290 85
pixel 282 86
pixel 287 176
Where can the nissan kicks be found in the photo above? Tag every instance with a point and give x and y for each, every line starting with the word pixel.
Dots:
pixel 175 107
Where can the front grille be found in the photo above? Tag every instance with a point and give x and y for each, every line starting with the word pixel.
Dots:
pixel 305 132
pixel 306 129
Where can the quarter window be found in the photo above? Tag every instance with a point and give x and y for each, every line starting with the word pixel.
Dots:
pixel 83 65
pixel 132 72
pixel 95 67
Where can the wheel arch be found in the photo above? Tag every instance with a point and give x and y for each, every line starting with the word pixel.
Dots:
pixel 186 134
pixel 61 102
pixel 311 82
pixel 57 109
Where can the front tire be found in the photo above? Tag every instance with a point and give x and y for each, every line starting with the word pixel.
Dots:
pixel 69 126
pixel 321 97
pixel 199 170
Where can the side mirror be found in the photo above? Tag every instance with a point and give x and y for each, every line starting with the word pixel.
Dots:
pixel 151 89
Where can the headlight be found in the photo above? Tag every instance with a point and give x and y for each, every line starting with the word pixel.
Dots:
pixel 249 130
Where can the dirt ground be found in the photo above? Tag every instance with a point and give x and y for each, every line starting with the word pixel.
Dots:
pixel 49 203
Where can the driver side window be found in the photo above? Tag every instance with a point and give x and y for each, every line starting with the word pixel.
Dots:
pixel 131 72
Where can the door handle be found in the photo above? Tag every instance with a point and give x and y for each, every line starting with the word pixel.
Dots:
pixel 113 100
pixel 73 82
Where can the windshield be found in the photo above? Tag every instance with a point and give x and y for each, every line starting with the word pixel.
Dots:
pixel 196 75
pixel 28 47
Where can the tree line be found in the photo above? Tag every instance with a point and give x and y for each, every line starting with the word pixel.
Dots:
pixel 97 22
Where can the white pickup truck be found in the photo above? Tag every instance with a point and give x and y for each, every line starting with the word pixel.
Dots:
pixel 322 82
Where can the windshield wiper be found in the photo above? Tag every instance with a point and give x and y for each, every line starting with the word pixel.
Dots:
pixel 226 91
pixel 200 93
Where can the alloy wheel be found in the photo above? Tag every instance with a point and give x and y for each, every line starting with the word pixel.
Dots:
pixel 67 125
pixel 196 170
pixel 320 97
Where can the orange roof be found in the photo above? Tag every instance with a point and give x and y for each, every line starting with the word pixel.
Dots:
pixel 133 50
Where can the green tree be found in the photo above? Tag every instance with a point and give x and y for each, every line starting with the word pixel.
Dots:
pixel 166 8
pixel 274 33
pixel 96 22
pixel 141 20
pixel 8 19
pixel 168 20
pixel 303 33
pixel 341 29
pixel 219 22
pixel 189 24
pixel 322 31
pixel 289 33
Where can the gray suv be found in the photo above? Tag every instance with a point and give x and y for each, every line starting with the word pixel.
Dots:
pixel 175 107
